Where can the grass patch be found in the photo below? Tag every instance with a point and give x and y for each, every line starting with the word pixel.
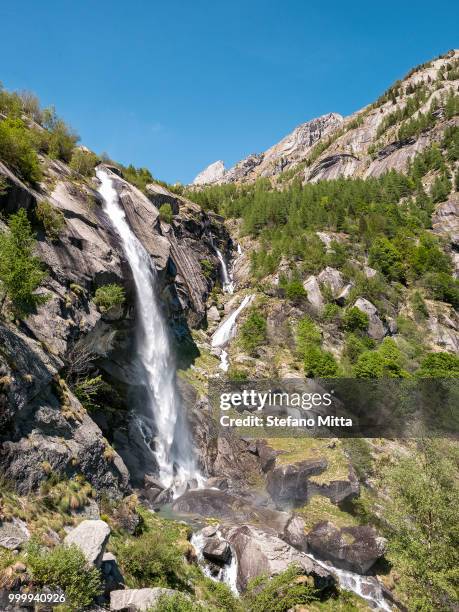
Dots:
pixel 321 509
pixel 295 450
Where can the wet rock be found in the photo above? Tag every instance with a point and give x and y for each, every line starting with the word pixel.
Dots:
pixel 351 548
pixel 261 551
pixel 217 550
pixel 375 325
pixel 209 531
pixel 217 482
pixel 91 537
pixel 213 315
pixel 133 600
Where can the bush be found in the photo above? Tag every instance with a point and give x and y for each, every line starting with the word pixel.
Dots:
pixel 442 286
pixel 207 267
pixel 177 603
pixel 153 559
pixel 419 306
pixel 439 365
pixel 83 162
pixel 319 363
pixel 294 290
pixel 66 568
pixel 59 139
pixel 355 320
pixel 355 345
pixel 386 258
pixel 279 593
pixel 165 213
pixel 381 363
pixel 307 334
pixel 51 218
pixel 109 296
pixel 21 272
pixel 253 331
pixel 17 150
pixel 332 312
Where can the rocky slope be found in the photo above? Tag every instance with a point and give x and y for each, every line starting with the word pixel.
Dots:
pixel 358 145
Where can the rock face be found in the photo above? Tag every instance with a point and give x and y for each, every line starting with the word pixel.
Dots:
pixel 288 484
pixel 445 223
pixel 350 548
pixel 333 279
pixel 375 325
pixel 13 534
pixel 41 421
pixel 291 485
pixel 137 599
pixel 217 550
pixel 312 288
pixel 91 537
pixel 212 174
pixel 260 551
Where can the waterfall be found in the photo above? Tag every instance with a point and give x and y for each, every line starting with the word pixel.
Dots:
pixel 366 587
pixel 227 574
pixel 227 329
pixel 228 285
pixel 173 448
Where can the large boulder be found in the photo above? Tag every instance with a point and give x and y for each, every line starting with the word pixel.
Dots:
pixel 350 548
pixel 91 537
pixel 376 328
pixel 133 600
pixel 288 484
pixel 312 288
pixel 13 534
pixel 333 279
pixel 261 551
pixel 216 550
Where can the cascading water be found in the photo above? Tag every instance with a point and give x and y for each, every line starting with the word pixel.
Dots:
pixel 227 329
pixel 227 574
pixel 228 285
pixel 173 448
pixel 366 587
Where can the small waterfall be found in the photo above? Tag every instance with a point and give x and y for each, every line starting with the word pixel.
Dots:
pixel 227 574
pixel 228 285
pixel 227 329
pixel 239 249
pixel 366 587
pixel 224 363
pixel 173 448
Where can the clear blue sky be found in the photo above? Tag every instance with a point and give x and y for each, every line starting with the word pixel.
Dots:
pixel 176 85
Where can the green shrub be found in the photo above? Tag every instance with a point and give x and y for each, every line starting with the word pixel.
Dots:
pixel 294 290
pixel 58 140
pixel 355 320
pixel 355 345
pixel 17 150
pixel 442 286
pixel 153 559
pixel 331 312
pixel 419 306
pixel 165 213
pixel 279 593
pixel 386 361
pixel 66 568
pixel 253 331
pixel 319 363
pixel 83 162
pixel 21 272
pixel 51 218
pixel 307 334
pixel 177 603
pixel 109 296
pixel 207 267
pixel 439 365
pixel 386 258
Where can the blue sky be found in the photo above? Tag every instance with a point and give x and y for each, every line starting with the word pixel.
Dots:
pixel 174 86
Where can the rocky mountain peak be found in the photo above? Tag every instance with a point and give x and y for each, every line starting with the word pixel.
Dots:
pixel 212 174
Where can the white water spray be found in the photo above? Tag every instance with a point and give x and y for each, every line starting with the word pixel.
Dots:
pixel 366 587
pixel 228 285
pixel 227 574
pixel 173 450
pixel 227 329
